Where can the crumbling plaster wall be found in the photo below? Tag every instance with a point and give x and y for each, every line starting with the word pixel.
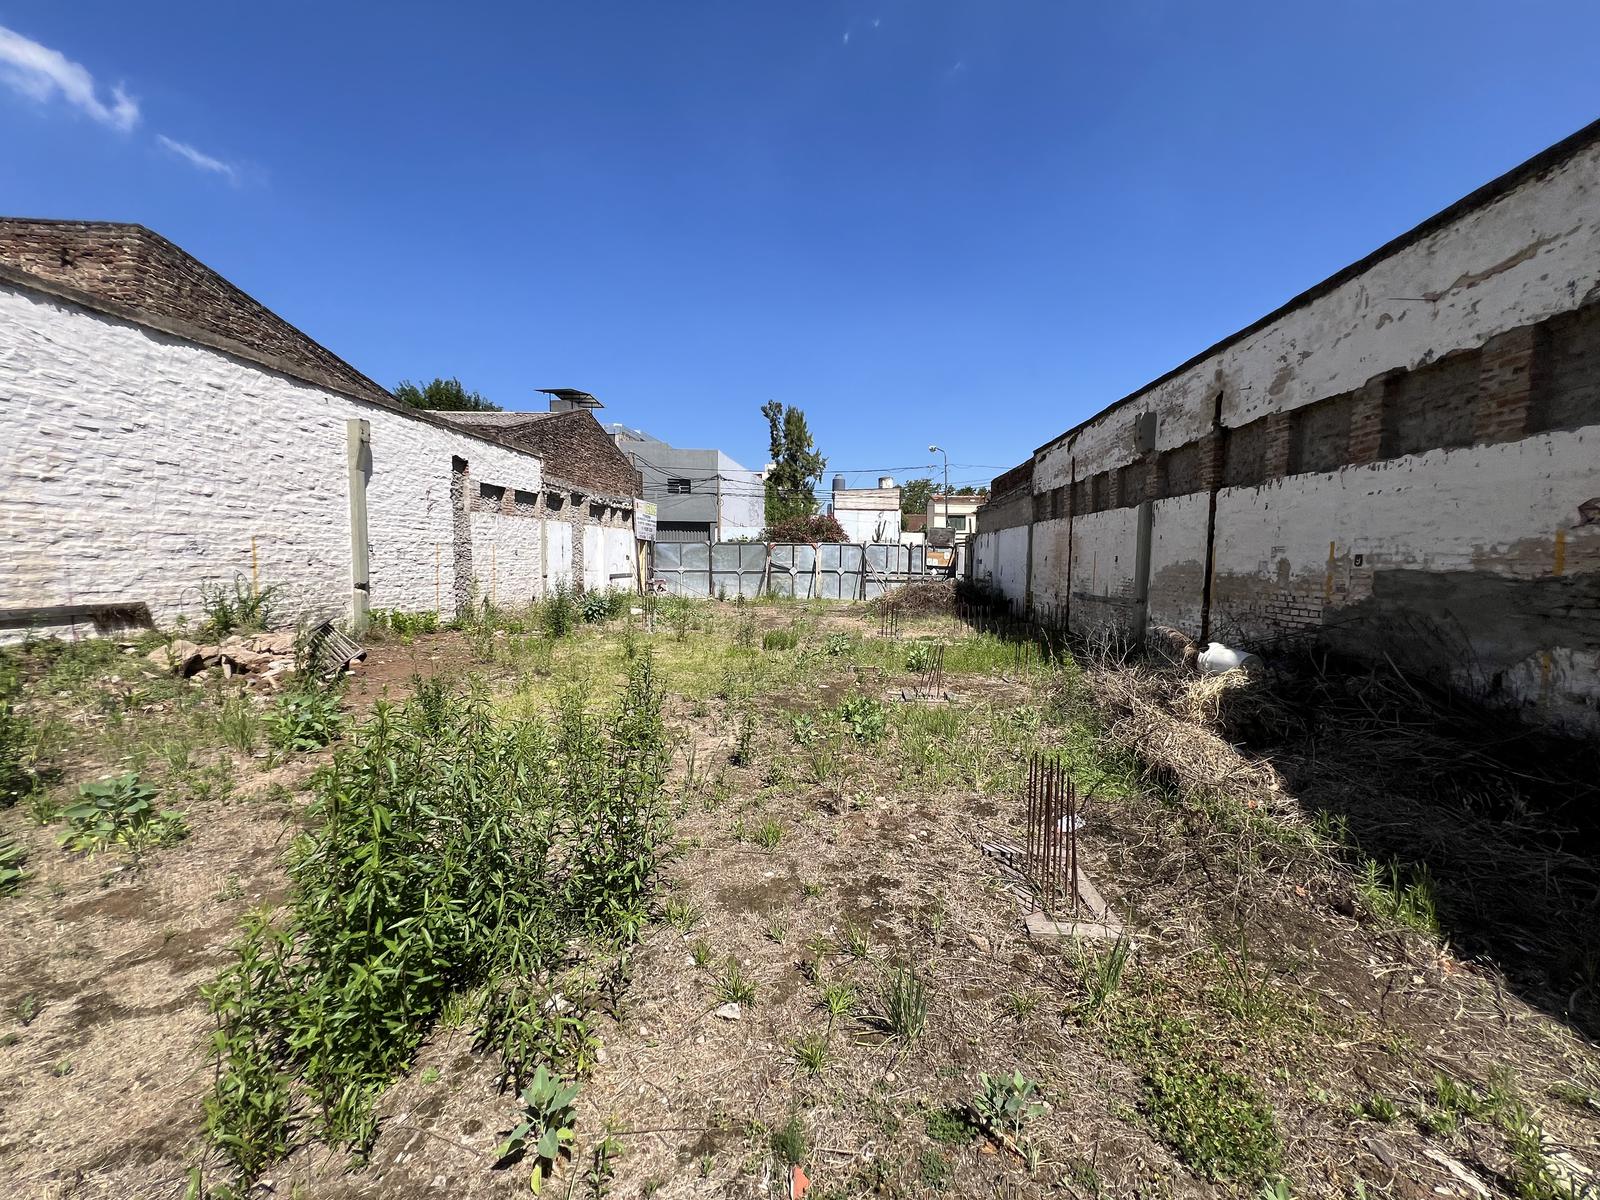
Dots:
pixel 138 466
pixel 1000 560
pixel 1438 509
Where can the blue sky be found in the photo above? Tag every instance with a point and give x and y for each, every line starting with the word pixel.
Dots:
pixel 971 223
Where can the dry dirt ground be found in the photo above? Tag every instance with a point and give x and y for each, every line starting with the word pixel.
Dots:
pixel 1271 1032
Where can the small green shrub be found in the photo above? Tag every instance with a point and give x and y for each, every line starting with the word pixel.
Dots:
pixel 679 612
pixel 866 718
pixel 559 612
pixel 789 1143
pixel 743 752
pixel 1392 893
pixel 744 630
pixel 457 867
pixel 810 1052
pixel 837 645
pixel 595 607
pixel 1216 1121
pixel 805 729
pixel 119 812
pixel 733 988
pixel 239 609
pixel 547 1123
pixel 778 639
pixel 839 998
pixel 1007 1105
pixel 304 720
pixel 951 1126
pixel 920 657
pixel 904 1000
pixel 403 624
pixel 12 856
pixel 17 779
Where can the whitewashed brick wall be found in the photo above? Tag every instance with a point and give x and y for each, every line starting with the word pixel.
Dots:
pixel 136 466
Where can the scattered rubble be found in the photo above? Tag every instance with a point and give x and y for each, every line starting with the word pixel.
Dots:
pixel 267 657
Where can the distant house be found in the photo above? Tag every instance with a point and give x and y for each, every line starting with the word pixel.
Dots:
pixel 700 495
pixel 950 522
pixel 955 513
pixel 868 514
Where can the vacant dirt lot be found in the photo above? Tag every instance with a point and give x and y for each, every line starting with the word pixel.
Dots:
pixel 833 962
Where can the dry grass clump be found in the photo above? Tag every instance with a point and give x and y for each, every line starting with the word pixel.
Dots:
pixel 1151 715
pixel 1241 705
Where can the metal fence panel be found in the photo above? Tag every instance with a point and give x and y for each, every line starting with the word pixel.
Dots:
pixel 737 568
pixel 794 568
pixel 686 567
pixel 833 571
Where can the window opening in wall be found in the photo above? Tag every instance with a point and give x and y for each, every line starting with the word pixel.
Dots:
pixel 523 499
pixel 491 493
pixel 678 487
pixel 958 521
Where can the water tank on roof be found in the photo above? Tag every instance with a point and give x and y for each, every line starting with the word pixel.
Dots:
pixel 886 481
pixel 838 483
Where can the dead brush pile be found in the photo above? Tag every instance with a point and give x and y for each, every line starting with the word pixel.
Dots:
pixel 924 598
pixel 1172 726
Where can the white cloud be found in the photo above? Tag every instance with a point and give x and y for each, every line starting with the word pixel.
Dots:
pixel 199 159
pixel 846 37
pixel 41 73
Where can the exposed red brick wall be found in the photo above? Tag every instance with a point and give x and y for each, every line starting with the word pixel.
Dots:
pixel 1510 372
pixel 142 271
pixel 1020 475
pixel 577 450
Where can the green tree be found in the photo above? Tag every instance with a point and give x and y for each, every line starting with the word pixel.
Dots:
pixel 796 465
pixel 443 394
pixel 914 496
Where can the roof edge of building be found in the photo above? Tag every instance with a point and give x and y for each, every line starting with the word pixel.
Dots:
pixel 1480 197
pixel 189 332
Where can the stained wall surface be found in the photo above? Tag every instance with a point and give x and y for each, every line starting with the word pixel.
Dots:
pixel 1404 461
pixel 140 467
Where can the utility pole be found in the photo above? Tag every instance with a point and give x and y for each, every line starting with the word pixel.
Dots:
pixel 938 450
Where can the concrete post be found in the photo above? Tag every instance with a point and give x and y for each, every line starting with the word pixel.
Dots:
pixel 358 438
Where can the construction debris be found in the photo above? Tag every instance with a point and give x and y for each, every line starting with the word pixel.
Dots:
pixel 265 657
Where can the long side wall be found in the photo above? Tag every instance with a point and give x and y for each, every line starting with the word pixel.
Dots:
pixel 140 466
pixel 1000 543
pixel 1405 462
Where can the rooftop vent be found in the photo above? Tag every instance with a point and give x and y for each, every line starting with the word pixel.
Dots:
pixel 567 399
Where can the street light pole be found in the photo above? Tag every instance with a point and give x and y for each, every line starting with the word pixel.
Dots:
pixel 939 450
